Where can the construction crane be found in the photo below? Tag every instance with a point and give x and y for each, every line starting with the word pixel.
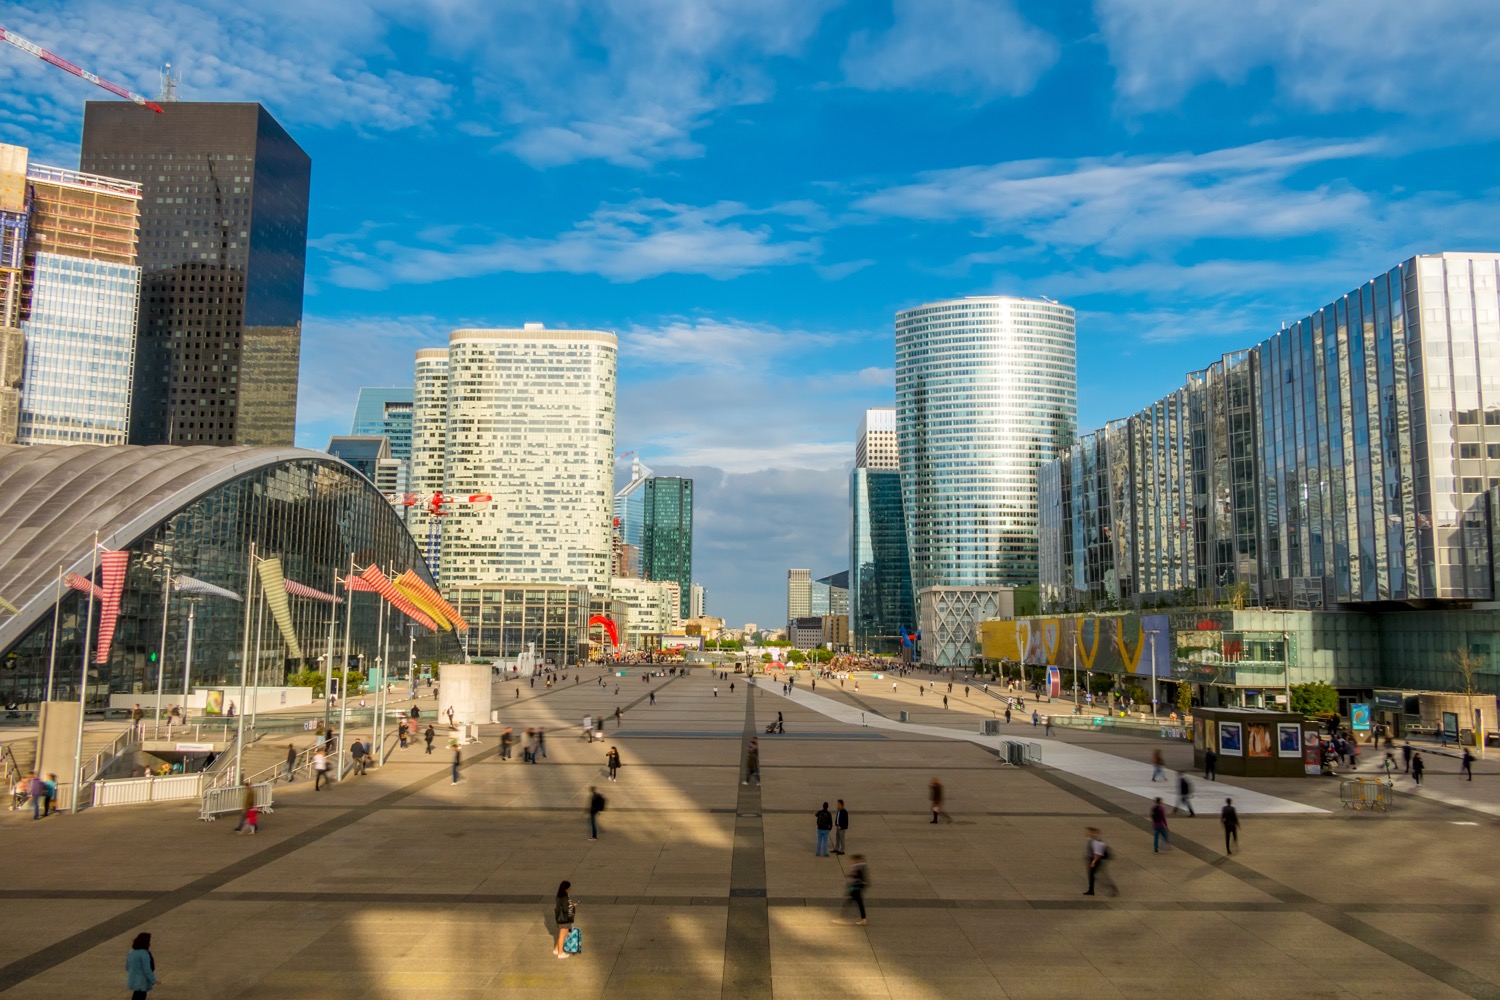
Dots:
pixel 434 504
pixel 78 71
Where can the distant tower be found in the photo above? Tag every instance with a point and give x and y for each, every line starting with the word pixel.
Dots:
pixel 168 84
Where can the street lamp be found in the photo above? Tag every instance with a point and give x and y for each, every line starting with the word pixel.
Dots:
pixel 1153 675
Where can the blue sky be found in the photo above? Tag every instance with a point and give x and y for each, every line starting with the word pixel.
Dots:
pixel 746 190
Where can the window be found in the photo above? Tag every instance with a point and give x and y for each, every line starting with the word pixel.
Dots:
pixel 1469 450
pixel 1472 484
pixel 1493 450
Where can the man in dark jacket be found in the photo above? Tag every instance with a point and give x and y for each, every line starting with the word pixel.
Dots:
pixel 1231 821
pixel 840 826
pixel 596 806
pixel 824 820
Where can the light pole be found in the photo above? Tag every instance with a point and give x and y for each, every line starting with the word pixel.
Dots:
pixel 1153 675
pixel 161 650
pixel 83 683
pixel 239 740
pixel 1077 638
pixel 1286 666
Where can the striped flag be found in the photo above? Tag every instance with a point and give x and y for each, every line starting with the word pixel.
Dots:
pixel 378 582
pixel 9 606
pixel 303 590
pixel 274 584
pixel 415 582
pixel 199 588
pixel 420 600
pixel 112 566
pixel 82 585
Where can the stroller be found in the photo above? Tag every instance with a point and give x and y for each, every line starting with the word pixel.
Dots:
pixel 775 727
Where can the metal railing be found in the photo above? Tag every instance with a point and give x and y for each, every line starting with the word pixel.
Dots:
pixel 13 772
pixel 303 763
pixel 137 791
pixel 106 754
pixel 221 771
pixel 231 799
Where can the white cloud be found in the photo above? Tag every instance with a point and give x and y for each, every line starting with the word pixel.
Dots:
pixel 624 243
pixel 981 47
pixel 1121 205
pixel 720 344
pixel 342 353
pixel 1437 60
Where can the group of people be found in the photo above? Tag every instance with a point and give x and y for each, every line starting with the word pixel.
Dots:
pixel 39 791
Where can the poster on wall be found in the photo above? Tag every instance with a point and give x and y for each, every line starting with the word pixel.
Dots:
pixel 1198 734
pixel 1231 739
pixel 1258 739
pixel 1288 739
pixel 213 702
pixel 1312 753
pixel 1359 718
pixel 1210 734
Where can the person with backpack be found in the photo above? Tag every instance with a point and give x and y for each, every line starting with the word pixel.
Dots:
pixel 1159 826
pixel 1095 854
pixel 596 806
pixel 564 910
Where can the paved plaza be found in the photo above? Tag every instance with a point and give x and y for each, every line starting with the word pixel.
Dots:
pixel 402 884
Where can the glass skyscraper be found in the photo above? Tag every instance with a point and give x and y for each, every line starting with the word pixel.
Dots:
pixel 223 245
pixel 667 534
pixel 1346 460
pixel 386 411
pixel 880 600
pixel 986 392
pixel 629 512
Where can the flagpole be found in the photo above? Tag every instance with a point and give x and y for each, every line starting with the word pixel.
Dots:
pixel 338 768
pixel 379 632
pixel 83 682
pixel 239 741
pixel 56 625
pixel 385 680
pixel 333 622
pixel 161 655
pixel 260 632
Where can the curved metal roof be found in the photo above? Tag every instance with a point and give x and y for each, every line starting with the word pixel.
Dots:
pixel 54 497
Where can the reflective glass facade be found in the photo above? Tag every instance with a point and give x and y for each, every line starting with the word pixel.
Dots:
pixel 310 511
pixel 1343 461
pixel 986 392
pixel 80 351
pixel 667 534
pixel 223 245
pixel 880 601
pixel 505 619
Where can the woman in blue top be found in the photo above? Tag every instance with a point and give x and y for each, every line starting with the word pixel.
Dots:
pixel 140 967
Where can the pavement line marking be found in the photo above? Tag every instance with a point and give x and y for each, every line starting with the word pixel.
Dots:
pixel 1461 979
pixel 1094 765
pixel 747 927
pixel 29 966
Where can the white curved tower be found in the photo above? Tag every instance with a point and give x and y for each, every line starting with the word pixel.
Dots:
pixel 986 391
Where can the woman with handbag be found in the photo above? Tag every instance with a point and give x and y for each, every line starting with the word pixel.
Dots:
pixel 563 911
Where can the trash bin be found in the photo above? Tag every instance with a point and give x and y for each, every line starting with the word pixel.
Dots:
pixel 904 717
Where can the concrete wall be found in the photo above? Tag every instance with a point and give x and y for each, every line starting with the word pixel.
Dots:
pixel 267 699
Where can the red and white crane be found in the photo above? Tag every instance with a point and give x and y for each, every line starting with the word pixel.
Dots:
pixel 434 504
pixel 78 71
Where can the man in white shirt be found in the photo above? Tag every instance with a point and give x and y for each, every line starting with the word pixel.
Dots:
pixel 1095 856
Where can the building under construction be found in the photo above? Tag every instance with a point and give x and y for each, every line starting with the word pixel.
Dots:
pixel 69 294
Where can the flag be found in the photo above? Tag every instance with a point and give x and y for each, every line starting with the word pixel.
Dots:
pixel 274 584
pixel 303 590
pixel 112 566
pixel 9 606
pixel 415 582
pixel 198 588
pixel 382 586
pixel 82 585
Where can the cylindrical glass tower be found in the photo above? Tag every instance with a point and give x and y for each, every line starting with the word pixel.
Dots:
pixel 986 391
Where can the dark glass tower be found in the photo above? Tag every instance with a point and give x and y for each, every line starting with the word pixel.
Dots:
pixel 223 247
pixel 880 601
pixel 667 534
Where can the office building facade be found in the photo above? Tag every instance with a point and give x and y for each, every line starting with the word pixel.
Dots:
pixel 1347 460
pixel 527 417
pixel 798 594
pixel 69 304
pixel 223 244
pixel 875 441
pixel 880 600
pixel 667 535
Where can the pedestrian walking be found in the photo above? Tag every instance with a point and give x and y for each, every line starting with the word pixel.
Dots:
pixel 1418 765
pixel 1159 826
pixel 1184 794
pixel 588 728
pixel 1046 725
pixel 246 813
pixel 1158 766
pixel 840 827
pixel 935 796
pixel 1467 766
pixel 596 806
pixel 752 763
pixel 652 697
pixel 429 736
pixel 716 690
pixel 1095 856
pixel 140 967
pixel 824 820
pixel 357 754
pixel 507 740
pixel 541 739
pixel 320 768
pixel 137 721
pixel 1231 822
pixel 37 789
pixel 458 757
pixel 618 716
pixel 1210 765
pixel 564 910
pixel 1406 757
pixel 291 761
pixel 859 880
pixel 1007 715
pixel 612 761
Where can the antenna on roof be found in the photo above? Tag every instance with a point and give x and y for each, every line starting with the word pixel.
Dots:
pixel 168 84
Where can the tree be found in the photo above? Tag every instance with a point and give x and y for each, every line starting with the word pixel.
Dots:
pixel 1468 664
pixel 796 656
pixel 1315 698
pixel 1184 699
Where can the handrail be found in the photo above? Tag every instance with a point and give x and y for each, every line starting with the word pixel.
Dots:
pixel 12 767
pixel 106 754
pixel 303 759
pixel 215 774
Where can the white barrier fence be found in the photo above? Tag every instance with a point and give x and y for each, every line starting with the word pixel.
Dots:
pixel 135 791
pixel 218 801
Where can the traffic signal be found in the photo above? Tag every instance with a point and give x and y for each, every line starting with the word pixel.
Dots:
pixel 153 657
